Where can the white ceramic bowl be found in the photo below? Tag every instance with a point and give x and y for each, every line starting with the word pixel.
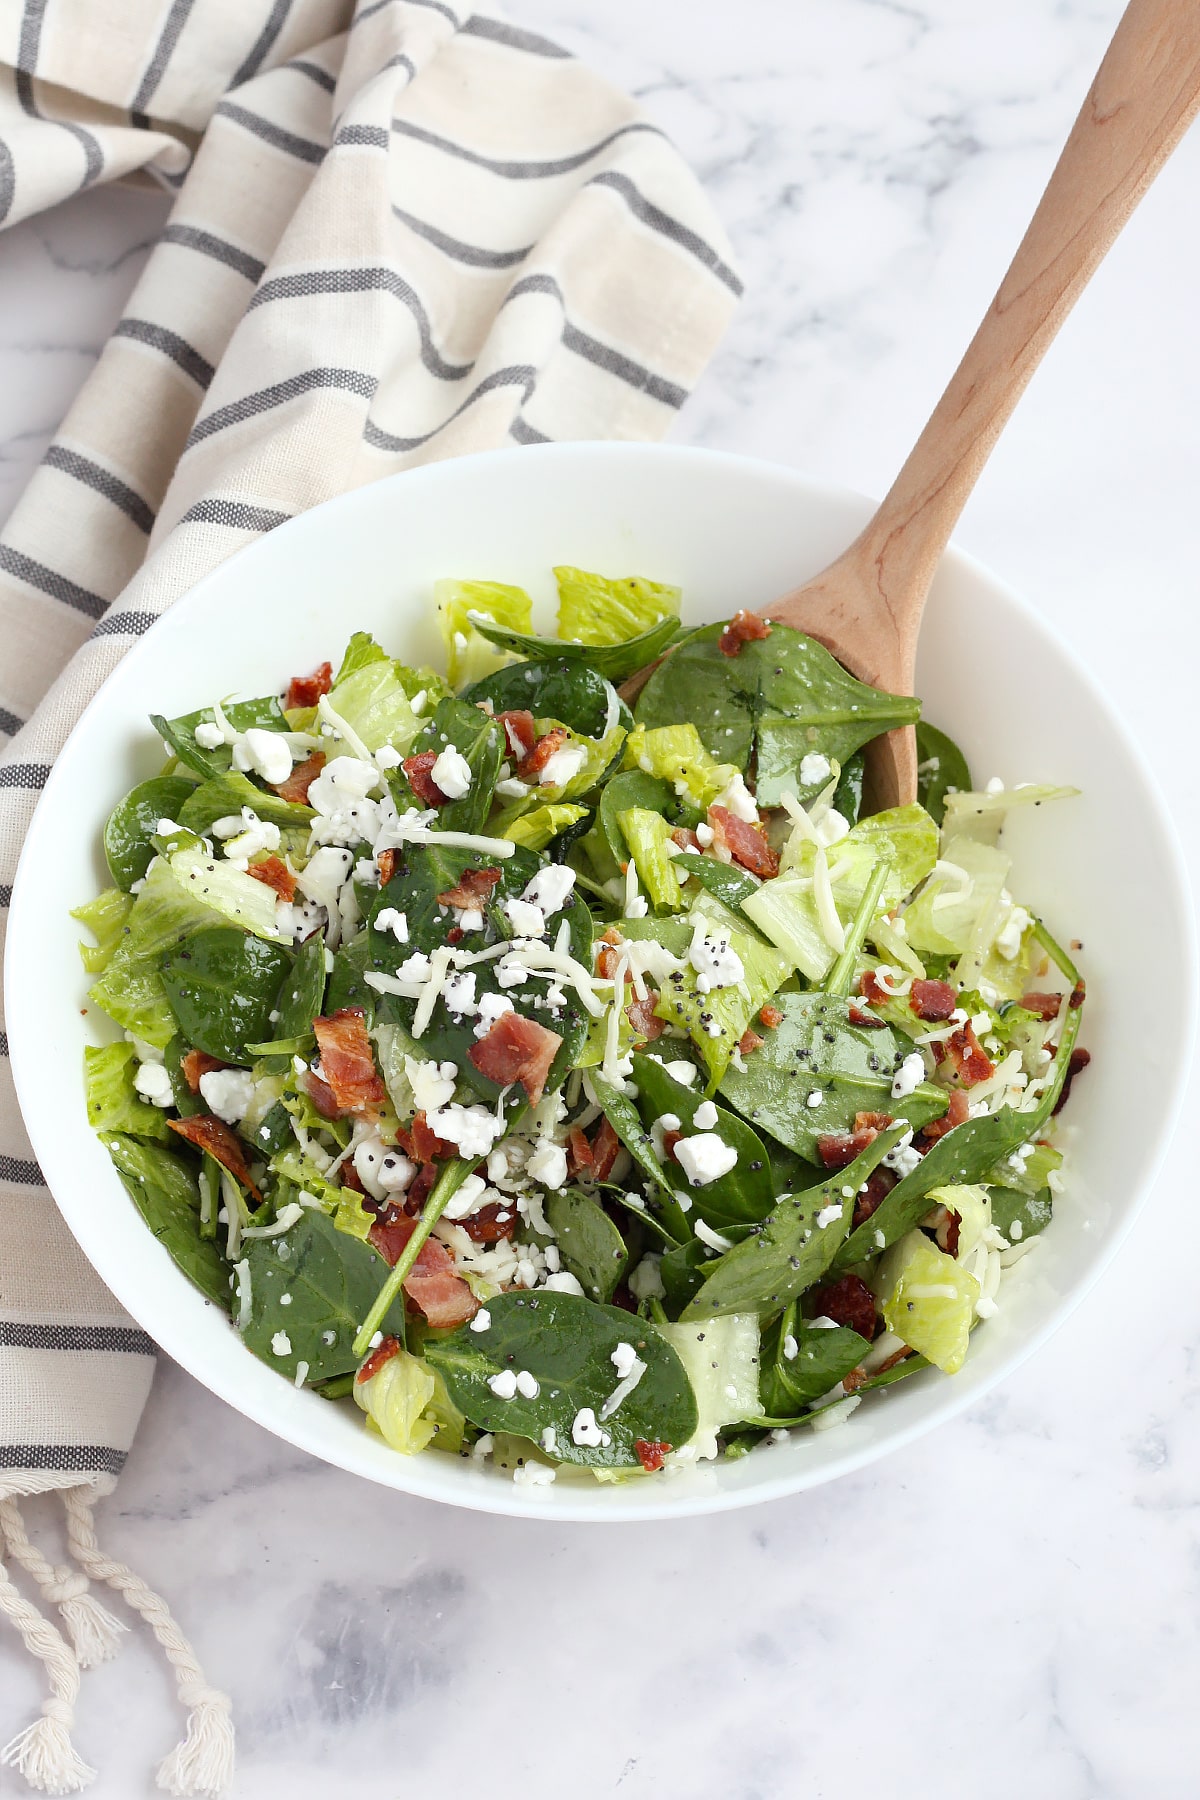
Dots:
pixel 732 533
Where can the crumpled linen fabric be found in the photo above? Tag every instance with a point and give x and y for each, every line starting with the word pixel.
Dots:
pixel 400 231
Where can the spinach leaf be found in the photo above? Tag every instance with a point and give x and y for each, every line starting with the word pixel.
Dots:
pixel 614 661
pixel 481 740
pixel 273 1133
pixel 180 733
pixel 220 985
pixel 562 689
pixel 1010 1205
pixel 163 1188
pixel 961 1158
pixel 186 1103
pixel 332 1279
pixel 682 1274
pixel 941 765
pixel 428 870
pixel 816 1050
pixel 848 795
pixel 298 1001
pixel 730 884
pixel 224 797
pixel 133 822
pixel 622 1115
pixel 821 1358
pixel 590 1245
pixel 632 788
pixel 785 1255
pixel 780 698
pixel 346 984
pixel 745 1194
pixel 566 1343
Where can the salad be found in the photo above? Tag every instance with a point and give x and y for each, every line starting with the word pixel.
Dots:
pixel 584 1088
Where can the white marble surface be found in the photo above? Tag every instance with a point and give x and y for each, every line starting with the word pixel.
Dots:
pixel 1011 1606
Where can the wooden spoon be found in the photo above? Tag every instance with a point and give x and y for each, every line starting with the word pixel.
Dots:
pixel 866 607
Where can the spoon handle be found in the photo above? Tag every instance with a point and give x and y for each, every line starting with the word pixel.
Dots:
pixel 1145 95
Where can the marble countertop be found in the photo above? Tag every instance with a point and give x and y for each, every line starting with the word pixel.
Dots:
pixel 1011 1606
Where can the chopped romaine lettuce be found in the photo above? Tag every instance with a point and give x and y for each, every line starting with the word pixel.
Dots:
pixel 469 656
pixel 598 609
pixel 113 1102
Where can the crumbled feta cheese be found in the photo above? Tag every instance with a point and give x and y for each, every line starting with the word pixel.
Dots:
pixel 452 773
pixel 491 1008
pixel 684 1073
pixel 468 1198
pixel 470 919
pixel 534 1475
pixel 154 1084
pixel 623 1359
pixel 704 835
pixel 396 1172
pixel 562 1282
pixel 814 769
pixel 482 1320
pixel 828 1215
pixel 645 1281
pixel 791 1348
pixel 902 1159
pixel 528 1386
pixel 994 786
pixel 585 1431
pixel 503 1385
pixel 527 920
pixel 473 1128
pixel 511 971
pixel 549 1440
pixel 208 736
pixel 705 1157
pixel 265 753
pixel 458 994
pixel 548 1164
pixel 388 757
pixel 908 1076
pixel 832 828
pixel 416 968
pixel 713 958
pixel 738 800
pixel 815 1098
pixel 1008 940
pixel 281 1344
pixel 432 1083
pixel 228 1092
pixel 551 888
pixel 389 918
pixel 509 788
pixel 705 1116
pixel 562 766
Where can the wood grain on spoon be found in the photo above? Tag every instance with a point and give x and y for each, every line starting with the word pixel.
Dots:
pixel 866 607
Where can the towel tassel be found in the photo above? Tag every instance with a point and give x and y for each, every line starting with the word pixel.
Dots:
pixel 91 1628
pixel 43 1753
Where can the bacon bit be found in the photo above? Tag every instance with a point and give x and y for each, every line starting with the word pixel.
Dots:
pixel 420 779
pixel 421 1186
pixel 972 1063
pixel 837 1149
pixel 685 838
pixel 517 1049
pixel 896 1357
pixel 424 1144
pixel 749 1041
pixel 948 1229
pixel 1078 995
pixel 321 1095
pixel 579 1151
pixel 531 766
pixel 455 935
pixel 847 1302
pixel 1079 1061
pixel 746 843
pixel 770 1016
pixel 382 1353
pixel 387 860
pixel 606 955
pixel 1042 1006
pixel 854 1379
pixel 624 1299
pixel 879 1185
pixel 606 1147
pixel 296 787
pixel 433 1284
pixel 957 1113
pixel 742 629
pixel 197 1063
pixel 306 690
pixel 347 1063
pixel 933 1001
pixel 857 1016
pixel 474 886
pixel 870 989
pixel 642 1017
pixel 273 872
pixel 872 1121
pixel 220 1140
pixel 487 1227
pixel 520 733
pixel 652 1453
pixel 350 1178
pixel 670 1139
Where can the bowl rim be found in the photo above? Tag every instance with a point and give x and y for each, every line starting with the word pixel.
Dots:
pixel 506 1499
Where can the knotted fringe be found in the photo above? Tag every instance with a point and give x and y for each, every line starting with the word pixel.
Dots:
pixel 43 1752
pixel 91 1628
pixel 203 1763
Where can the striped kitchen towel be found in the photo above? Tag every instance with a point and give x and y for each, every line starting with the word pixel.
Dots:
pixel 400 231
